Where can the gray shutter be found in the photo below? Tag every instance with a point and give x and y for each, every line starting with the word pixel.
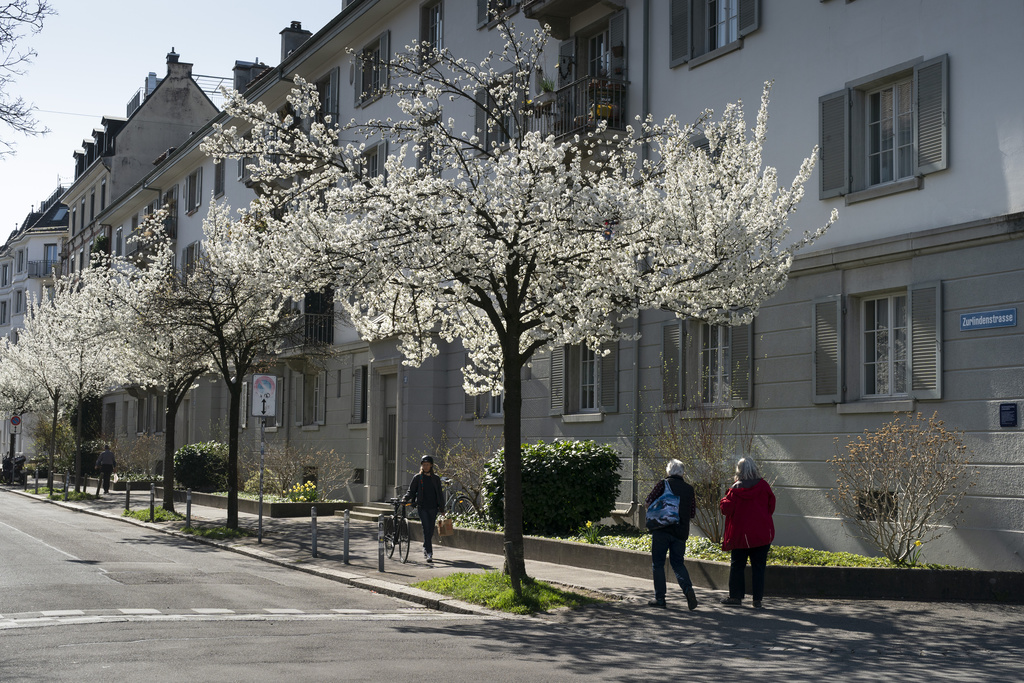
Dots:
pixel 357 66
pixel 382 157
pixel 557 380
pixel 333 103
pixel 298 399
pixel 698 28
pixel 679 33
pixel 385 59
pixel 609 378
pixel 827 324
pixel 925 353
pixel 673 383
pixel 741 371
pixel 358 378
pixel 321 409
pixel 566 62
pixel 748 16
pixel 617 33
pixel 931 106
pixel 481 116
pixel 834 122
pixel 482 16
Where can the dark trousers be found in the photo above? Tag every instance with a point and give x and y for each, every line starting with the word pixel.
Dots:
pixel 663 542
pixel 105 472
pixel 428 517
pixel 737 581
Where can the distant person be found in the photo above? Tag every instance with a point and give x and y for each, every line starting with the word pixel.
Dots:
pixel 671 538
pixel 749 530
pixel 105 463
pixel 426 494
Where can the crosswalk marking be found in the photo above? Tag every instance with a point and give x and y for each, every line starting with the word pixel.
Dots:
pixel 142 610
pixel 212 610
pixel 274 610
pixel 63 613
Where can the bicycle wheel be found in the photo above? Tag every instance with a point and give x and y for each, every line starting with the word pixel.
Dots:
pixel 389 536
pixel 403 540
pixel 462 505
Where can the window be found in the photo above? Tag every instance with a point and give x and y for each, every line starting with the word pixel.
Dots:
pixel 371 69
pixel 119 242
pixel 486 405
pixel 171 204
pixel 701 30
pixel 74 220
pixel 489 11
pixel 189 258
pixel 103 194
pixel 141 415
pixel 243 168
pixel 5 275
pixel 313 398
pixel 895 346
pixel 82 225
pixel 706 364
pixel 360 374
pixel 431 30
pixel 584 381
pixel 21 261
pixel 327 91
pixel 81 259
pixel 50 257
pixel 495 126
pixel 3 313
pixel 372 162
pixel 92 205
pixel 218 178
pixel 882 133
pixel 194 190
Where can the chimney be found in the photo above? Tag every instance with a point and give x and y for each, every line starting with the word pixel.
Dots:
pixel 246 72
pixel 293 37
pixel 176 69
pixel 172 57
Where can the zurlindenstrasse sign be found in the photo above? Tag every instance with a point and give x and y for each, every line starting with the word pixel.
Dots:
pixel 1006 317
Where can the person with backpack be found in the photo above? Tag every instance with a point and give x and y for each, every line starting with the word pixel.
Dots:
pixel 670 507
pixel 749 531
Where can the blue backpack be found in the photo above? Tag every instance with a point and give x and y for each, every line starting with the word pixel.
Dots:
pixel 664 511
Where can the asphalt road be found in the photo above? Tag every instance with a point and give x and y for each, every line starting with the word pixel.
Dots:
pixel 85 598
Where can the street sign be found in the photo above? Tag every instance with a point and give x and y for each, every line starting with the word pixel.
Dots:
pixel 15 420
pixel 264 395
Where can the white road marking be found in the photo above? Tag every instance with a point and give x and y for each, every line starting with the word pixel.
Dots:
pixel 41 542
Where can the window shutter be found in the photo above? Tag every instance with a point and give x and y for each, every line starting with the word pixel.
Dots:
pixel 699 30
pixel 679 33
pixel 566 62
pixel 673 384
pixel 482 16
pixel 481 116
pixel 357 68
pixel 826 382
pixel 321 409
pixel 748 16
pixel 557 380
pixel 617 32
pixel 298 398
pixel 385 59
pixel 931 105
pixel 741 359
pixel 609 378
pixel 358 381
pixel 333 104
pixel 382 157
pixel 926 340
pixel 279 408
pixel 834 120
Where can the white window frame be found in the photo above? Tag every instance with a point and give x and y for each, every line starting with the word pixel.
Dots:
pixel 371 69
pixel 194 190
pixel 888 368
pixel 715 364
pixel 889 127
pixel 432 28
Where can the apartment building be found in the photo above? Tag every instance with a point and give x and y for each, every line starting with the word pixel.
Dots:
pixel 891 311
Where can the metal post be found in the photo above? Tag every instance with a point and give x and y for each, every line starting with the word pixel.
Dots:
pixel 380 543
pixel 312 516
pixel 66 477
pixel 128 496
pixel 188 508
pixel 37 480
pixel 263 441
pixel 152 503
pixel 345 537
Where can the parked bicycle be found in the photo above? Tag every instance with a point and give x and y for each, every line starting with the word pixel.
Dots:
pixel 456 502
pixel 396 531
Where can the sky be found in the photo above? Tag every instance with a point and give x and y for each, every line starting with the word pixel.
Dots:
pixel 94 56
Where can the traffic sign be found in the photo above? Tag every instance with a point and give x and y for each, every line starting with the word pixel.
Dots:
pixel 15 420
pixel 264 395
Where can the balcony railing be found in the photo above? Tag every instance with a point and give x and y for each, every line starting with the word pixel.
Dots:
pixel 580 106
pixel 318 328
pixel 43 268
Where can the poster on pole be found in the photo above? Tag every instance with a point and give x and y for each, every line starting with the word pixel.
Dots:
pixel 264 395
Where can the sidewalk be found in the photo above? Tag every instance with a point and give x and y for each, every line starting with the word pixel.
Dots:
pixel 288 542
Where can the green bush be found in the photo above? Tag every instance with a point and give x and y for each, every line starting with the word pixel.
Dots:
pixel 202 466
pixel 565 485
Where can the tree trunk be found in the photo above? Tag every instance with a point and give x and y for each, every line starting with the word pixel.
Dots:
pixel 78 449
pixel 235 391
pixel 170 420
pixel 515 560
pixel 53 443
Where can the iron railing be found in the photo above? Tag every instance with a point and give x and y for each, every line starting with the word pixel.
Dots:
pixel 44 268
pixel 579 106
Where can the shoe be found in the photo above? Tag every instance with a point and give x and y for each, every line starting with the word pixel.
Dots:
pixel 430 558
pixel 732 602
pixel 691 599
pixel 657 603
pixel 758 605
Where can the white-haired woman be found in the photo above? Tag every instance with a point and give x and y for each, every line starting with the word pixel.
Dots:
pixel 669 530
pixel 749 530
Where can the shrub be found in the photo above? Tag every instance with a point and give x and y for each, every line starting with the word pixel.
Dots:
pixel 565 485
pixel 202 466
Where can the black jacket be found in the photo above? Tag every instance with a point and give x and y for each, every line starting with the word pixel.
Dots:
pixel 425 491
pixel 687 504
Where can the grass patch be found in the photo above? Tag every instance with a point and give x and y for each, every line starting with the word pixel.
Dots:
pixel 494 590
pixel 159 515
pixel 58 494
pixel 217 533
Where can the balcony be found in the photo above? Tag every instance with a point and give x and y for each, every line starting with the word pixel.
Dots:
pixel 557 13
pixel 44 269
pixel 318 328
pixel 580 106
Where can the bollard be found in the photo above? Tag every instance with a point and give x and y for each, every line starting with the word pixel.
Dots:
pixel 66 478
pixel 380 543
pixel 152 503
pixel 37 480
pixel 312 515
pixel 188 508
pixel 345 537
pixel 128 496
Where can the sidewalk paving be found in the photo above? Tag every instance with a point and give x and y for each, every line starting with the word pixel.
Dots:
pixel 288 542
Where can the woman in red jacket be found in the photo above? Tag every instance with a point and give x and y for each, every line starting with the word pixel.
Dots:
pixel 749 531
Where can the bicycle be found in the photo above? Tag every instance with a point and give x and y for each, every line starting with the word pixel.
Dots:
pixel 457 502
pixel 396 531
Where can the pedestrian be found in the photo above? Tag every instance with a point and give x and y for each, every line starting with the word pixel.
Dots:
pixel 749 531
pixel 426 494
pixel 106 464
pixel 671 537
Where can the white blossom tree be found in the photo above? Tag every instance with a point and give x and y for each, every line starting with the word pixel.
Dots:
pixel 504 239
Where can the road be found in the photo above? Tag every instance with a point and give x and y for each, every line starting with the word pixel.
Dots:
pixel 84 598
